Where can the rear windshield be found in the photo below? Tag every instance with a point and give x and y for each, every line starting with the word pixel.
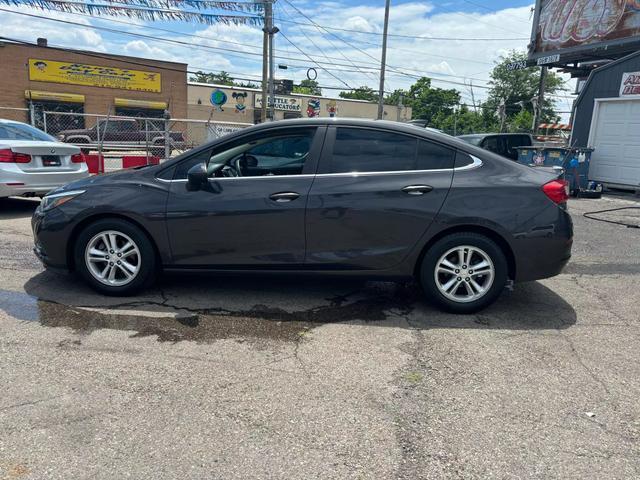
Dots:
pixel 20 131
pixel 472 139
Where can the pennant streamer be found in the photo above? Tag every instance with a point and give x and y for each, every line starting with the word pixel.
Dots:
pixel 139 12
pixel 246 6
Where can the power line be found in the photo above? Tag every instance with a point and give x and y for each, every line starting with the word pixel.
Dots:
pixel 332 44
pixel 416 37
pixel 233 53
pixel 313 61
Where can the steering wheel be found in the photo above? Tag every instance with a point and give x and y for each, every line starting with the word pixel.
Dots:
pixel 229 171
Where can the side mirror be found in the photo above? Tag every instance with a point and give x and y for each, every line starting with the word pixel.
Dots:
pixel 197 177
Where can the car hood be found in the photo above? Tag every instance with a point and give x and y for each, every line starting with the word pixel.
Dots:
pixel 72 132
pixel 111 178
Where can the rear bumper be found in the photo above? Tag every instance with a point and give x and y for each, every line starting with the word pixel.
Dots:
pixel 543 253
pixel 14 182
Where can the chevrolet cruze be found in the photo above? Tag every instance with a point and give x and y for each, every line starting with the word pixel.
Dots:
pixel 375 199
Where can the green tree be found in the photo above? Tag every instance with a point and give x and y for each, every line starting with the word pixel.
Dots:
pixel 247 85
pixel 518 87
pixel 431 103
pixel 222 78
pixel 308 87
pixel 361 93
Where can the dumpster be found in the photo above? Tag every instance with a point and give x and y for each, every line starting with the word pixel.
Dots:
pixel 574 162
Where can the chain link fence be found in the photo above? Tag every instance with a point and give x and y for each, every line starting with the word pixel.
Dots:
pixel 115 137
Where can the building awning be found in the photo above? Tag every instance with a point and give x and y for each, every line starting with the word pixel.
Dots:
pixel 53 96
pixel 126 102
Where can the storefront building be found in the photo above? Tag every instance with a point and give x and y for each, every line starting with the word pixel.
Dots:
pixel 222 103
pixel 607 118
pixel 38 78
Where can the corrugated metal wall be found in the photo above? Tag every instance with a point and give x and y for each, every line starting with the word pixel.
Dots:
pixel 604 82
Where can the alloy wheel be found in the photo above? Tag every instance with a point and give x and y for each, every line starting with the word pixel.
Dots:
pixel 464 274
pixel 112 258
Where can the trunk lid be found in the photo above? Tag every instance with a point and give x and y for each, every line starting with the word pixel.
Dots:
pixel 45 156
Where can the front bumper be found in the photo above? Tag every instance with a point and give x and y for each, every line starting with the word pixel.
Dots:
pixel 50 239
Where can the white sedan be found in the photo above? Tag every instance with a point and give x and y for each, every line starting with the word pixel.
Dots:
pixel 33 163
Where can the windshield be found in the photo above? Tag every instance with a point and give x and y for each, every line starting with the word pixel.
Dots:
pixel 21 131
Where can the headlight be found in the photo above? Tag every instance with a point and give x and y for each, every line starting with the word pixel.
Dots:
pixel 57 199
pixel 61 137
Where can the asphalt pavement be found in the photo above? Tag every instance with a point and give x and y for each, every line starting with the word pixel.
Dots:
pixel 295 378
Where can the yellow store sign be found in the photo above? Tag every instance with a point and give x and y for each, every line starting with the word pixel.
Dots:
pixel 93 75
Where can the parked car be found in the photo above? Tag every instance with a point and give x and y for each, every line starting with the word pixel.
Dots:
pixel 33 163
pixel 119 133
pixel 504 144
pixel 325 196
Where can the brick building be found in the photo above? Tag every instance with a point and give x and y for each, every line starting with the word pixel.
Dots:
pixel 38 78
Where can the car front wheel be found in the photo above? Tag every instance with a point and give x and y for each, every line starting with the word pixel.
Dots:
pixel 115 257
pixel 463 272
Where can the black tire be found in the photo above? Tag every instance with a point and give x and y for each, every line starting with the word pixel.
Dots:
pixel 444 245
pixel 146 261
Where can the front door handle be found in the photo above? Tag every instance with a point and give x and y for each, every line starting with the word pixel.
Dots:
pixel 284 196
pixel 417 189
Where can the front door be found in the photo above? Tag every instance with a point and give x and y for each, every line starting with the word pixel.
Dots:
pixel 375 195
pixel 251 214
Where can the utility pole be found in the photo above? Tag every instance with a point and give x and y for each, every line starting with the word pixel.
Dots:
pixel 265 63
pixel 383 60
pixel 473 98
pixel 268 66
pixel 537 112
pixel 400 106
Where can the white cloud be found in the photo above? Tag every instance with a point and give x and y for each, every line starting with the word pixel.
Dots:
pixel 445 60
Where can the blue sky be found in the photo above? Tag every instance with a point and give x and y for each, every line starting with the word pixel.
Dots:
pixel 341 58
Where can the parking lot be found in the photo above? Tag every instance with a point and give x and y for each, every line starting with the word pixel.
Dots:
pixel 293 378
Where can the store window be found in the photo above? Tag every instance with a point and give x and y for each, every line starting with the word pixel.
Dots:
pixel 59 116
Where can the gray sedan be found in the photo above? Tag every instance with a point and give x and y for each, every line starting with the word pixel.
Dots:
pixel 32 163
pixel 317 197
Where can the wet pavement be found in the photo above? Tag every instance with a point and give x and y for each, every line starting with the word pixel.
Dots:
pixel 204 377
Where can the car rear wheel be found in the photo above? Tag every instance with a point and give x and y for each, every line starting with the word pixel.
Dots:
pixel 463 272
pixel 115 257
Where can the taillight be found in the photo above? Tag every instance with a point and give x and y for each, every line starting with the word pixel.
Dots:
pixel 9 156
pixel 557 190
pixel 77 158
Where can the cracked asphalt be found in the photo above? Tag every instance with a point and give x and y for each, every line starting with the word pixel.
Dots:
pixel 224 378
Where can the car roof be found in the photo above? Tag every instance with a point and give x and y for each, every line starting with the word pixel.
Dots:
pixel 4 120
pixel 482 135
pixel 400 127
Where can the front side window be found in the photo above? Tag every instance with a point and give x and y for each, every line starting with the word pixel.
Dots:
pixel 256 156
pixel 369 150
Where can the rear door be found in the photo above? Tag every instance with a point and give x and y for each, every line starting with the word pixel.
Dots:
pixel 375 194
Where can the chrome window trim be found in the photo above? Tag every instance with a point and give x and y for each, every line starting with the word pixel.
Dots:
pixel 477 163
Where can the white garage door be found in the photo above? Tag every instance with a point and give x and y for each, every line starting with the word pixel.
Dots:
pixel 615 135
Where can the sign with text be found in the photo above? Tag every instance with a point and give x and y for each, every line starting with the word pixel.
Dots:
pixel 577 28
pixel 290 104
pixel 630 84
pixel 93 75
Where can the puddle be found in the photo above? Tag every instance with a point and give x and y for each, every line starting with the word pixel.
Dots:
pixel 208 325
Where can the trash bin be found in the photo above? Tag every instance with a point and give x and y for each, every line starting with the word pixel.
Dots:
pixel 574 161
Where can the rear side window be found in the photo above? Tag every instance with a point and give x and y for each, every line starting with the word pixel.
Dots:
pixel 369 150
pixel 432 156
pixel 463 159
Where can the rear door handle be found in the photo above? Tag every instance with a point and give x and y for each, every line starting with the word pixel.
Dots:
pixel 417 189
pixel 282 197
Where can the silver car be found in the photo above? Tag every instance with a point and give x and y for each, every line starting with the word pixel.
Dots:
pixel 33 163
